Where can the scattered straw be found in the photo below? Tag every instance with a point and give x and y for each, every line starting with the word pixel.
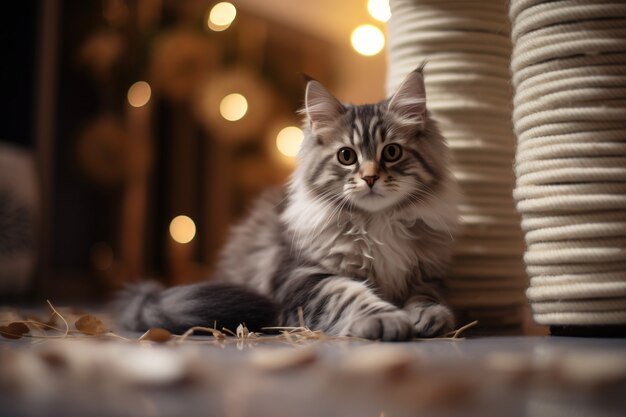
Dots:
pixel 39 323
pixel 77 335
pixel 453 335
pixel 216 333
pixel 116 336
pixel 67 326
pixel 456 333
pixel 66 332
pixel 230 332
pixel 287 334
pixel 302 333
pixel 244 333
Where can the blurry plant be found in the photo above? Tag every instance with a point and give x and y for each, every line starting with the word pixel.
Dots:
pixel 180 61
pixel 100 52
pixel 102 150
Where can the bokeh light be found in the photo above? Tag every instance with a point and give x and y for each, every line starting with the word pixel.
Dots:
pixel 233 107
pixel 221 16
pixel 182 229
pixel 139 94
pixel 289 140
pixel 368 40
pixel 379 9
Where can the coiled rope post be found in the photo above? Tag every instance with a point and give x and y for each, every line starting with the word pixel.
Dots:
pixel 569 74
pixel 467 47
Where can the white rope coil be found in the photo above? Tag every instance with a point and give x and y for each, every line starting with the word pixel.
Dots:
pixel 609 304
pixel 578 291
pixel 569 74
pixel 541 221
pixel 590 128
pixel 572 268
pixel 553 254
pixel 585 231
pixel 585 62
pixel 582 318
pixel 551 149
pixel 467 47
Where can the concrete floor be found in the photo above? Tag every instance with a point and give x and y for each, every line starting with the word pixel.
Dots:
pixel 490 376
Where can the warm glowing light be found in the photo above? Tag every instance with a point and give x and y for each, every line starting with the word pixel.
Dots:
pixel 368 40
pixel 379 9
pixel 182 229
pixel 233 107
pixel 289 140
pixel 139 94
pixel 221 16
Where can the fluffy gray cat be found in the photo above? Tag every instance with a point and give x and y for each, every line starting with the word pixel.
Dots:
pixel 358 240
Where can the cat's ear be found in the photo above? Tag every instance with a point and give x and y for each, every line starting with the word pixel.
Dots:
pixel 321 107
pixel 409 100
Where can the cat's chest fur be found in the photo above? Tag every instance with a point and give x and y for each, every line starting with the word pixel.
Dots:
pixel 380 249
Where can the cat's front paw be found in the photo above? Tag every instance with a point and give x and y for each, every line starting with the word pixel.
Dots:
pixel 431 320
pixel 389 326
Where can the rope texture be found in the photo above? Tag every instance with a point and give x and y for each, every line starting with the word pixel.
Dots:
pixel 569 74
pixel 467 47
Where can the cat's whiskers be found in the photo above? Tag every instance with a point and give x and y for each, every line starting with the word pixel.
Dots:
pixel 414 199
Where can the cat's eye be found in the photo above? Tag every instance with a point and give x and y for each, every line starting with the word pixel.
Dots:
pixel 346 156
pixel 392 152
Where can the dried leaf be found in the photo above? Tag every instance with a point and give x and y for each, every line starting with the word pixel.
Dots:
pixel 90 325
pixel 14 330
pixel 157 335
pixel 379 359
pixel 591 370
pixel 53 359
pixel 6 332
pixel 18 328
pixel 282 359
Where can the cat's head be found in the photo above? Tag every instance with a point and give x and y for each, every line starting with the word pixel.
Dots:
pixel 372 157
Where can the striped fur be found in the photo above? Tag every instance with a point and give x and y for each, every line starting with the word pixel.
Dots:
pixel 358 260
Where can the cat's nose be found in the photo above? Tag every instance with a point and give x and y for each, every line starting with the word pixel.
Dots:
pixel 370 179
pixel 369 172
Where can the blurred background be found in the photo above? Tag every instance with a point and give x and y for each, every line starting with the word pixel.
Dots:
pixel 134 132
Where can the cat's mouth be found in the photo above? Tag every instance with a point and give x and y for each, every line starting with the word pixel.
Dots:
pixel 372 200
pixel 370 195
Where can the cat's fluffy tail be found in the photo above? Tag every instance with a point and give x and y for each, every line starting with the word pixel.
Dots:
pixel 148 305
